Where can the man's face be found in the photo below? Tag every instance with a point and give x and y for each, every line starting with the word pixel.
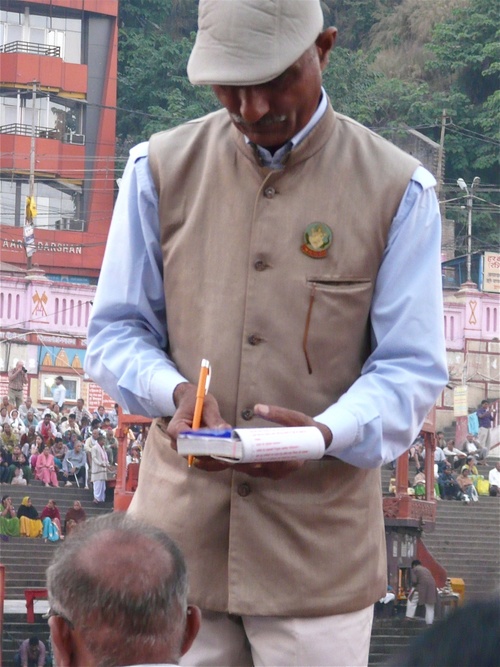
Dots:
pixel 270 114
pixel 78 447
pixel 46 419
pixel 79 404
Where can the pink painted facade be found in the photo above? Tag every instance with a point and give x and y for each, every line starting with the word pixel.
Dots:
pixel 469 313
pixel 44 323
pixel 36 304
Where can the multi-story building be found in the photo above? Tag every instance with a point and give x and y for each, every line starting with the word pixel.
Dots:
pixel 58 69
pixel 58 77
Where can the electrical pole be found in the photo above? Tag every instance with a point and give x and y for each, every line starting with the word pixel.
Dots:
pixel 470 196
pixel 440 157
pixel 29 234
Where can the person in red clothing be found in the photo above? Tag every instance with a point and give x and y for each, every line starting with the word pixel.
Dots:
pixel 51 520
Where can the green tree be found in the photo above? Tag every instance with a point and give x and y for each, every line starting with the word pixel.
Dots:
pixel 467 47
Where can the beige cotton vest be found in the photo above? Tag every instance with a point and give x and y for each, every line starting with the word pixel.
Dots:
pixel 238 290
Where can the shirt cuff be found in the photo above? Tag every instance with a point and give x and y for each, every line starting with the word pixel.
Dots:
pixel 162 388
pixel 343 425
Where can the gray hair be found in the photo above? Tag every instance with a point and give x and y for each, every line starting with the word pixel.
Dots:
pixel 123 585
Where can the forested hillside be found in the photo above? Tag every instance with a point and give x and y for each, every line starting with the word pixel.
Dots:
pixel 397 63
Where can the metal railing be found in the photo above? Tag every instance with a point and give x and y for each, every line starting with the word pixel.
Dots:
pixel 21 129
pixel 30 47
pixel 27 131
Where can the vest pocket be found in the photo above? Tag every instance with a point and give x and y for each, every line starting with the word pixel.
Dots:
pixel 342 307
pixel 326 283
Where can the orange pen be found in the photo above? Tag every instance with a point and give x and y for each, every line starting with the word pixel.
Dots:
pixel 201 392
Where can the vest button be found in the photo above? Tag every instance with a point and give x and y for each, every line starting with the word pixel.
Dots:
pixel 254 339
pixel 269 192
pixel 260 265
pixel 244 490
pixel 247 414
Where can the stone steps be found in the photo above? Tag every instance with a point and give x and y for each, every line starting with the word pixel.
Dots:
pixel 26 560
pixel 466 542
pixel 16 630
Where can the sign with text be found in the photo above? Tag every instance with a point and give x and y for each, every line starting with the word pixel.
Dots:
pixel 491 272
pixel 460 406
pixel 96 397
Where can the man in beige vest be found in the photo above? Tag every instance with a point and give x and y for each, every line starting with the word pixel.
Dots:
pixel 277 239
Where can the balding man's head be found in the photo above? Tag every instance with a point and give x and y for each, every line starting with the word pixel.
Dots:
pixel 118 591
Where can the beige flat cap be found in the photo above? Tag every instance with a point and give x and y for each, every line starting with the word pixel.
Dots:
pixel 248 42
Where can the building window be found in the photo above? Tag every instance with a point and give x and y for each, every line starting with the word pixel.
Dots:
pixel 52 117
pixel 48 383
pixel 28 32
pixel 58 204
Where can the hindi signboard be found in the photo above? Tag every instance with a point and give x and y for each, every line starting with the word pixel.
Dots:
pixel 491 272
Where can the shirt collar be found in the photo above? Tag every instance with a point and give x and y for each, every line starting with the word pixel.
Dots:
pixel 277 161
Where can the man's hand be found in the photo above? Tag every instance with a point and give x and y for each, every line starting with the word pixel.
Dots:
pixel 185 400
pixel 283 417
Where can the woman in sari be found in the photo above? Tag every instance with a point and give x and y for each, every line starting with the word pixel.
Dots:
pixel 51 521
pixel 9 523
pixel 29 523
pixel 45 469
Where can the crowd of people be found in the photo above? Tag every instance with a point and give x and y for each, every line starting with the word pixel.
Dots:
pixel 456 472
pixel 58 445
pixel 26 521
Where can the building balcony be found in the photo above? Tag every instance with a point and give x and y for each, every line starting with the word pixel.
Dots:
pixel 53 155
pixel 39 63
pixel 29 47
pixel 43 132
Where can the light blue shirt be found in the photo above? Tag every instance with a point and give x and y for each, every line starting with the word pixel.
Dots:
pixel 376 420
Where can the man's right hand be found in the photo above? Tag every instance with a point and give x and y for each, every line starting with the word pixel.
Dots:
pixel 185 400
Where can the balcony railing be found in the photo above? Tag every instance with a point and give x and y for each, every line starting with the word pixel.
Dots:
pixel 43 133
pixel 29 47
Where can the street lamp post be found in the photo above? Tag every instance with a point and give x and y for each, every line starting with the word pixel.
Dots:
pixel 470 196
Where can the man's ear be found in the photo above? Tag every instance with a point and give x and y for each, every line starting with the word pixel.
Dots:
pixel 324 44
pixel 62 641
pixel 193 622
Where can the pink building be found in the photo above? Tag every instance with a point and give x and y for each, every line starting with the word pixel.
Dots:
pixel 44 323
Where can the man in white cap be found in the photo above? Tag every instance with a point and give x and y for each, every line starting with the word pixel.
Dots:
pixel 277 239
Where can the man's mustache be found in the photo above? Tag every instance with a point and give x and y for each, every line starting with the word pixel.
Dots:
pixel 263 122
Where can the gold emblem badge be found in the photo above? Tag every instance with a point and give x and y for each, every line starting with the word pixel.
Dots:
pixel 317 239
